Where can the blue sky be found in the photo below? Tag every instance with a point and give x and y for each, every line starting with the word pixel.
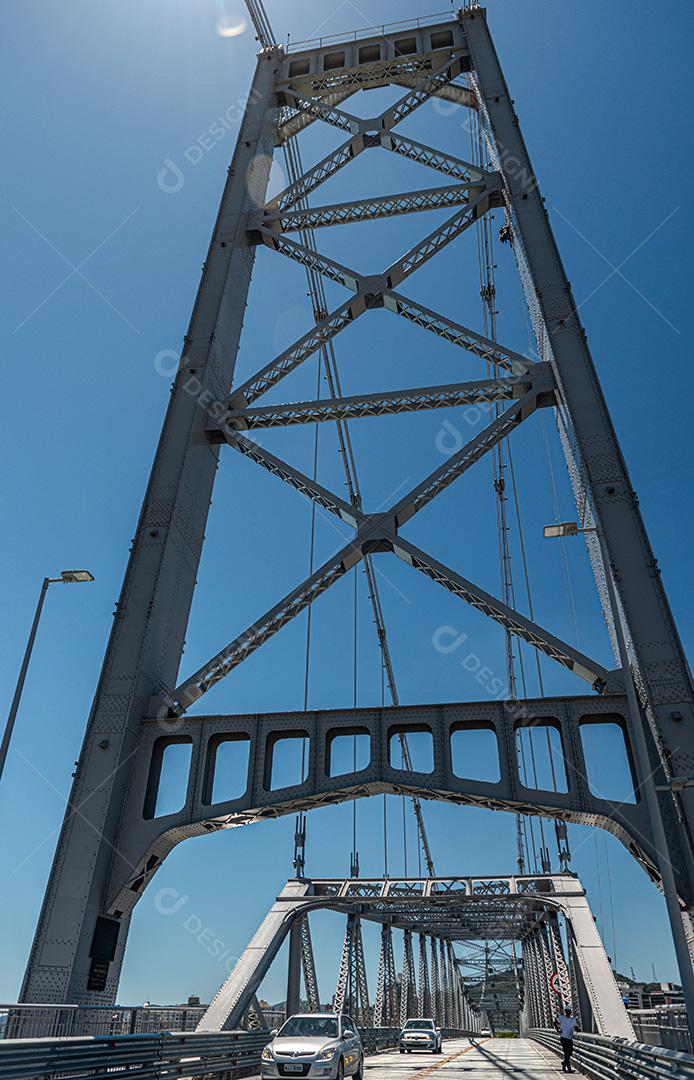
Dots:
pixel 100 270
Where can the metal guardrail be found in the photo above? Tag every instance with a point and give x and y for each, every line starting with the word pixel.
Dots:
pixel 370 31
pixel 604 1058
pixel 663 1026
pixel 150 1057
pixel 27 1021
pixel 224 1056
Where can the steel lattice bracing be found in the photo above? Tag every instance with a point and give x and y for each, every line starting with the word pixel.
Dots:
pixel 352 995
pixel 424 1000
pixel 386 1008
pixel 111 846
pixel 490 915
pixel 408 984
pixel 308 967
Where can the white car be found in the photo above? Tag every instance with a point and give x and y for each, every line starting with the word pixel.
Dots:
pixel 314 1045
pixel 421 1033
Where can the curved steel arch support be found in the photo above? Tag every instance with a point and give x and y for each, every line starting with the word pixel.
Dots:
pixel 144 841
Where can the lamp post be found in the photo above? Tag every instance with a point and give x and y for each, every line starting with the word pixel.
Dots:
pixel 67 577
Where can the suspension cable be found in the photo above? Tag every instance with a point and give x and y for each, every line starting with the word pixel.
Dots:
pixel 354 860
pixel 261 23
pixel 267 38
pixel 485 264
pixel 300 829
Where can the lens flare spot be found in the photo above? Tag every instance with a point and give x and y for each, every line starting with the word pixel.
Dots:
pixel 231 26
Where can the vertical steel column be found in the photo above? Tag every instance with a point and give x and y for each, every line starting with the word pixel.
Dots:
pixel 455 1021
pixel 543 976
pixel 559 962
pixel 551 997
pixel 579 1009
pixel 308 965
pixel 436 985
pixel 345 964
pixel 467 1011
pixel 361 1011
pixel 408 985
pixel 532 984
pixel 627 572
pixel 78 946
pixel 294 969
pixel 445 986
pixel 386 1007
pixel 424 997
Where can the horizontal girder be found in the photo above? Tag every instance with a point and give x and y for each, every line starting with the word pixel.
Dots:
pixel 380 206
pixel 361 405
pixel 145 840
pixel 369 60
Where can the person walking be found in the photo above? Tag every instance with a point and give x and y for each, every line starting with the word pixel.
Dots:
pixel 566 1025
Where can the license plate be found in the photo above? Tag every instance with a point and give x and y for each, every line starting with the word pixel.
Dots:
pixel 293 1068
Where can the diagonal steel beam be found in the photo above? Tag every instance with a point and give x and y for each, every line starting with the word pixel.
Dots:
pixel 457 334
pixel 264 628
pixel 313 340
pixel 599 677
pixel 329 268
pixel 435 159
pixel 344 213
pixel 441 478
pixel 318 174
pixel 361 405
pixel 438 239
pixel 295 478
pixel 459 95
pixel 323 110
pixel 422 92
pixel 294 122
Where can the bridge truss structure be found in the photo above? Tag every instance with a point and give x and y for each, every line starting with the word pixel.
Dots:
pixel 112 842
pixel 546 918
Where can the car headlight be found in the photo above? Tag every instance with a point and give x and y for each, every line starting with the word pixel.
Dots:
pixel 267 1054
pixel 326 1055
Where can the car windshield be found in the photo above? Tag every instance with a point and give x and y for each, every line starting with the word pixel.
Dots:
pixel 419 1024
pixel 310 1026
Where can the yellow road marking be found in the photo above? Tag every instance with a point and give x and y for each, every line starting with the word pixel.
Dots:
pixel 450 1057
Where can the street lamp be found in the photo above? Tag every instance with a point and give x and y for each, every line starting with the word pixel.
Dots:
pixel 564 528
pixel 67 577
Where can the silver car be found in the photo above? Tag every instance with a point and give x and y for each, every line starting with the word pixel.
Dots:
pixel 315 1045
pixel 421 1033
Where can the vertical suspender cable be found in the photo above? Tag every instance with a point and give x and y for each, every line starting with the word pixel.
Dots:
pixel 267 38
pixel 294 171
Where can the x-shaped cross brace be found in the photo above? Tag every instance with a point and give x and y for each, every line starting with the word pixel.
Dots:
pixel 379 532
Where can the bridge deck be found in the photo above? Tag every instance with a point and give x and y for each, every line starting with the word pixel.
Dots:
pixel 488 1059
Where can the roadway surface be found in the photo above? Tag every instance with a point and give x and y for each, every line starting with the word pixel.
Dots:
pixel 486 1059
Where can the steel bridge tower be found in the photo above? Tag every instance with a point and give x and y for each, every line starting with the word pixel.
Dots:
pixel 111 842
